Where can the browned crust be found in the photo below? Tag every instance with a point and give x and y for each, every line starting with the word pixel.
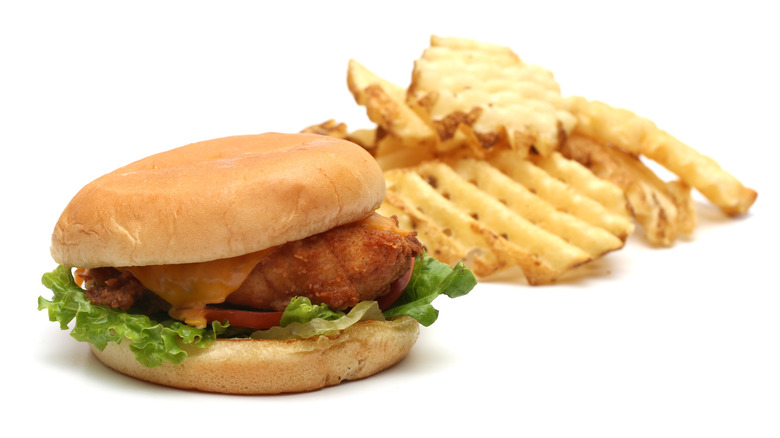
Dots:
pixel 217 199
pixel 249 366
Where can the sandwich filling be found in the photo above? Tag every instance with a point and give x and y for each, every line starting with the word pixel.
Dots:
pixel 341 267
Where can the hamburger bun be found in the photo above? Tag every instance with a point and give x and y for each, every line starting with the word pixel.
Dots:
pixel 257 366
pixel 218 199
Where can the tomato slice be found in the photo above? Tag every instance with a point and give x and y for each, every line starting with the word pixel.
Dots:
pixel 396 289
pixel 257 320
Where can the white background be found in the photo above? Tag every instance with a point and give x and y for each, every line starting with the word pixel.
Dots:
pixel 676 342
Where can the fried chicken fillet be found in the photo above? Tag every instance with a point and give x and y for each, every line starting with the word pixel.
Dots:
pixel 339 267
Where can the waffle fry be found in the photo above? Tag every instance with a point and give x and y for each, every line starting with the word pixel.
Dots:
pixel 490 252
pixel 593 240
pixel 489 88
pixel 483 209
pixel 439 244
pixel 330 128
pixel 639 136
pixel 562 196
pixel 492 166
pixel 386 106
pixel 584 181
pixel 664 210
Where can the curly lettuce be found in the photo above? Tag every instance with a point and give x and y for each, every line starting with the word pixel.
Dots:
pixel 330 322
pixel 431 278
pixel 152 342
pixel 155 342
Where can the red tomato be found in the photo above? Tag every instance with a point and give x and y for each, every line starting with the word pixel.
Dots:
pixel 395 290
pixel 243 318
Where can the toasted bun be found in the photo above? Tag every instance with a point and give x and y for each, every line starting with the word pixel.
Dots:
pixel 218 199
pixel 250 366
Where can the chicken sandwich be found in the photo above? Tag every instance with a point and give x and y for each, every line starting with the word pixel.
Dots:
pixel 248 264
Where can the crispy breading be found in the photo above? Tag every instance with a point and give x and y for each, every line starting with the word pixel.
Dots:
pixel 340 267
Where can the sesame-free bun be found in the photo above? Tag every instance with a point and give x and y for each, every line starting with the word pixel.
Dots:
pixel 255 366
pixel 217 199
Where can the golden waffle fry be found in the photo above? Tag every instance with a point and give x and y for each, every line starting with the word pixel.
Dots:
pixel 561 195
pixel 664 210
pixel 386 106
pixel 491 253
pixel 329 128
pixel 480 207
pixel 584 181
pixel 363 137
pixel 540 254
pixel 437 243
pixel 491 90
pixel 391 152
pixel 492 166
pixel 638 135
pixel 593 240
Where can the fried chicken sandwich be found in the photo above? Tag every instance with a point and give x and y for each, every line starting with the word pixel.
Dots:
pixel 250 264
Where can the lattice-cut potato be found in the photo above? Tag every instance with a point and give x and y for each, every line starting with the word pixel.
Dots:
pixel 564 197
pixel 505 101
pixel 469 210
pixel 664 210
pixel 593 240
pixel 491 252
pixel 330 128
pixel 492 166
pixel 437 240
pixel 584 181
pixel 386 105
pixel 639 136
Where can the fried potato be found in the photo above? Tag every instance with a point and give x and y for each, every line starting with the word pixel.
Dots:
pixel 386 106
pixel 639 136
pixel 561 195
pixel 505 101
pixel 480 208
pixel 584 181
pixel 366 138
pixel 363 137
pixel 491 255
pixel 434 238
pixel 481 48
pixel 664 210
pixel 490 165
pixel 391 152
pixel 593 240
pixel 540 254
pixel 329 128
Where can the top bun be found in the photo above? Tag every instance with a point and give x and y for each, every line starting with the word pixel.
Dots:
pixel 217 199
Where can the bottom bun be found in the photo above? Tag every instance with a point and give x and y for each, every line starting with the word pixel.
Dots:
pixel 257 366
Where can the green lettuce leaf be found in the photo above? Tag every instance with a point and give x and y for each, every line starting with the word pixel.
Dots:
pixel 301 310
pixel 431 278
pixel 152 342
pixel 317 326
pixel 156 342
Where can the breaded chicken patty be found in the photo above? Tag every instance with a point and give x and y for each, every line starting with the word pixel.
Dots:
pixel 340 267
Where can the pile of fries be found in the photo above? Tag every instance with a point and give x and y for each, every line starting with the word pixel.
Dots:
pixel 493 167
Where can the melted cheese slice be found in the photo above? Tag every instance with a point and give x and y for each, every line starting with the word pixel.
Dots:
pixel 189 287
pixel 379 222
